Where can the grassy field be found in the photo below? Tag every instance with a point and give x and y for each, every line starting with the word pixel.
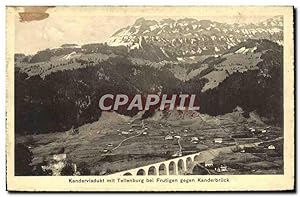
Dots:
pixel 116 143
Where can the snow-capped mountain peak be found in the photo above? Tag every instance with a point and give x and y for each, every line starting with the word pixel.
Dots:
pixel 189 37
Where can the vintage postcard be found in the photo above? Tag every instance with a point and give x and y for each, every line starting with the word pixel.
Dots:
pixel 150 98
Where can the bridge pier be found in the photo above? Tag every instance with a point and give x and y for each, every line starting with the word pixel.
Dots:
pixel 167 170
pixel 179 165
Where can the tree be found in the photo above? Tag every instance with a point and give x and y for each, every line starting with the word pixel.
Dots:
pixel 39 171
pixel 23 158
pixel 82 168
pixel 67 170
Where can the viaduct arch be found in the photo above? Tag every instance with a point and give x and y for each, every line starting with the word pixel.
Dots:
pixel 179 165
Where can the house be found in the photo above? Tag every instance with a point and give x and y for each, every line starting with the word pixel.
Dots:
pixel 195 139
pixel 185 130
pixel 59 157
pixel 218 140
pixel 271 147
pixel 177 137
pixel 177 154
pixel 209 163
pixel 263 131
pixel 130 130
pixel 201 138
pixel 221 168
pixel 169 137
pixel 109 145
pixel 124 133
pixel 144 133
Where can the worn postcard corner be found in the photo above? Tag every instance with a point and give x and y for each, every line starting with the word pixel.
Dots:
pixel 150 98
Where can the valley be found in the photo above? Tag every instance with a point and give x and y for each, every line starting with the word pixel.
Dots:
pixel 116 143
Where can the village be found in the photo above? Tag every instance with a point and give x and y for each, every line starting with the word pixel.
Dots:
pixel 143 142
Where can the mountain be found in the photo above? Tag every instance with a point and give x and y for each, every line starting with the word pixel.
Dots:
pixel 58 88
pixel 252 55
pixel 256 88
pixel 248 75
pixel 170 39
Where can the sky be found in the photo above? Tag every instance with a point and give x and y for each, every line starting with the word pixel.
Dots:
pixel 91 27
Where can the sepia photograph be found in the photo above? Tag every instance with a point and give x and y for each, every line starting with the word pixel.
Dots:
pixel 141 95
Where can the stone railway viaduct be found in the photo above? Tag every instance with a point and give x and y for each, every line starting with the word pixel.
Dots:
pixel 180 165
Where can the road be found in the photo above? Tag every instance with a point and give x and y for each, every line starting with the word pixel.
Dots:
pixel 139 133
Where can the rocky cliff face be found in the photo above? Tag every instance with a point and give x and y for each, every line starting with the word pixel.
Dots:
pixel 175 39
